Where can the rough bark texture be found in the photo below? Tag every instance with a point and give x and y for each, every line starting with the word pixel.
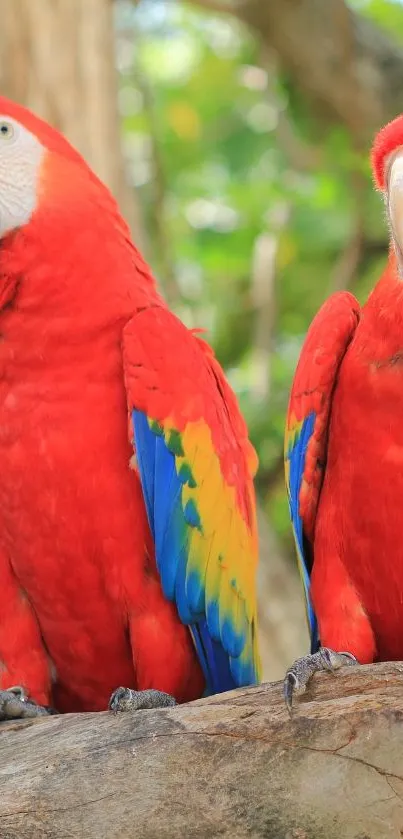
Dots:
pixel 346 66
pixel 58 58
pixel 232 766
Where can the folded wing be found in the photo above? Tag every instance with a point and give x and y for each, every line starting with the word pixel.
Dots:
pixel 196 467
pixel 307 425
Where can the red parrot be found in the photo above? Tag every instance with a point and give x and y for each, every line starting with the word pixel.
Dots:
pixel 128 542
pixel 344 459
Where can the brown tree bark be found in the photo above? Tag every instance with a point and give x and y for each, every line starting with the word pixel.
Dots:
pixel 348 68
pixel 231 766
pixel 283 628
pixel 58 58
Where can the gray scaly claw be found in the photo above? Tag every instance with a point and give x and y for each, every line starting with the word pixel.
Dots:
pixel 15 705
pixel 299 674
pixel 124 699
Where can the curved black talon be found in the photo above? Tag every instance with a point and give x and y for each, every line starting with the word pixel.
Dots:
pixel 299 674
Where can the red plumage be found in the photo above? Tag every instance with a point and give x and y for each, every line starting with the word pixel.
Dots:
pixel 357 577
pixel 89 566
pixel 349 379
pixel 386 142
pixel 81 602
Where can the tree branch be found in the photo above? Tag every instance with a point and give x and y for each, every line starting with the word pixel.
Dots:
pixel 267 479
pixel 230 766
pixel 346 270
pixel 214 6
pixel 279 589
pixel 346 66
pixel 59 60
pixel 264 265
pixel 160 221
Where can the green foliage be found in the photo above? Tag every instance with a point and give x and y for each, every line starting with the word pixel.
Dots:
pixel 202 121
pixel 387 15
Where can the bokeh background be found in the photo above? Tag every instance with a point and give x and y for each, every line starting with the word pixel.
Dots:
pixel 235 135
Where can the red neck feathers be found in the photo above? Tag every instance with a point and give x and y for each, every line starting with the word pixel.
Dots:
pixel 387 141
pixel 75 256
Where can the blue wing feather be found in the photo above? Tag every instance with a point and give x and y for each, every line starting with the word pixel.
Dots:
pixel 213 659
pixel 145 454
pixel 163 501
pixel 169 522
pixel 295 454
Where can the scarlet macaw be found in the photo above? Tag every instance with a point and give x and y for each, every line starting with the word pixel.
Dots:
pixel 128 542
pixel 344 459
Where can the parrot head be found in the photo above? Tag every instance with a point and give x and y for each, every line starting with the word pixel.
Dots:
pixel 387 166
pixel 52 205
pixel 36 161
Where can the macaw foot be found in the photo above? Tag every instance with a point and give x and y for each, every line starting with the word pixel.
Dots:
pixel 15 705
pixel 124 699
pixel 299 674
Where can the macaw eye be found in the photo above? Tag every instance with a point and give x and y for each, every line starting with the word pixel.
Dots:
pixel 6 130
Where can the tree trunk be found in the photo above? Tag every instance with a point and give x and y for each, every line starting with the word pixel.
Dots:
pixel 230 766
pixel 58 58
pixel 350 70
pixel 282 625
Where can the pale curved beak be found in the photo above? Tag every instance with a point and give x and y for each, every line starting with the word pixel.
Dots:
pixel 395 201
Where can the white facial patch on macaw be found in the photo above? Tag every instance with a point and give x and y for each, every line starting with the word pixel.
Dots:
pixel 395 199
pixel 21 155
